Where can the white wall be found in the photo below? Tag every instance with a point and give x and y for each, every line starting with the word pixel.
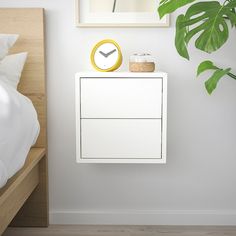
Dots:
pixel 196 186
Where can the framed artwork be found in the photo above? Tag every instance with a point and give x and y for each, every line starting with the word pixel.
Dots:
pixel 119 13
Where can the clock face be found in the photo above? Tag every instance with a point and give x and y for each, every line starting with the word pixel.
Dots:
pixel 106 56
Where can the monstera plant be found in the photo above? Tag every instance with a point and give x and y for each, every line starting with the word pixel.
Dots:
pixel 208 22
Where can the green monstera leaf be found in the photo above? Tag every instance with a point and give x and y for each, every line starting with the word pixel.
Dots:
pixel 180 42
pixel 207 21
pixel 206 65
pixel 169 6
pixel 212 82
pixel 219 73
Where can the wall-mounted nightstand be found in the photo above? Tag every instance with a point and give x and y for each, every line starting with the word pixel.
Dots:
pixel 121 117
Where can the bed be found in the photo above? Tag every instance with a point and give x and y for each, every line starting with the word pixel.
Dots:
pixel 24 199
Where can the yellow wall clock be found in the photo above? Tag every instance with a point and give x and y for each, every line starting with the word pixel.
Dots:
pixel 106 56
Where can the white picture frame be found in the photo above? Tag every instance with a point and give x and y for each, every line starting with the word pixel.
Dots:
pixel 86 18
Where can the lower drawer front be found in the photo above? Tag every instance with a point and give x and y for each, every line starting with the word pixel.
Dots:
pixel 120 138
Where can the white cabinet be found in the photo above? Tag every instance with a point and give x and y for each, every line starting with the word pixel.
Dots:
pixel 121 117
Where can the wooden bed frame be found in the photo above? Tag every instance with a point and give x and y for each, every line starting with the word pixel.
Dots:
pixel 24 199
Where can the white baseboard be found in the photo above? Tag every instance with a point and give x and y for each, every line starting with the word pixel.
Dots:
pixel 133 217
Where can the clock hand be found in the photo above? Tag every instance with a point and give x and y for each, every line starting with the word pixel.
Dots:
pixel 111 52
pixel 104 54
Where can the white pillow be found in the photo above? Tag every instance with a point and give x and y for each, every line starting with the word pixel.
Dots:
pixel 11 67
pixel 6 42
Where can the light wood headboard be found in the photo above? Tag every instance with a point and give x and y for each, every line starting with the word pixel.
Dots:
pixel 20 192
pixel 29 24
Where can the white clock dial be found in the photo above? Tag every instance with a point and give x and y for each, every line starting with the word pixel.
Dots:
pixel 106 56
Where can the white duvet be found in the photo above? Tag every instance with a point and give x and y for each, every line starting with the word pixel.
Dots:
pixel 19 129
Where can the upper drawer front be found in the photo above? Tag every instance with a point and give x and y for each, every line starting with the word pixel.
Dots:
pixel 121 98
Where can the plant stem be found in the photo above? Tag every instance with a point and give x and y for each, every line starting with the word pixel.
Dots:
pixel 114 6
pixel 229 74
pixel 232 75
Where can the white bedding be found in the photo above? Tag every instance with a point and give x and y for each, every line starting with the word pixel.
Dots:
pixel 19 129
